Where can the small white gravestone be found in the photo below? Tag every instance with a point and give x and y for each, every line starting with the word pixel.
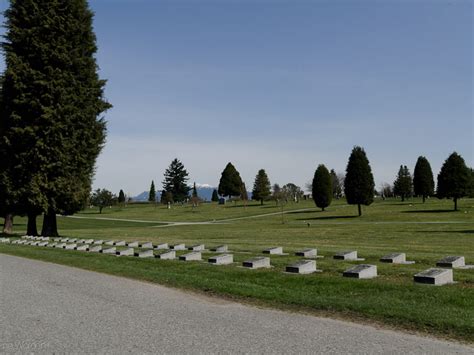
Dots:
pixel 88 241
pixel 223 259
pixel 220 249
pixel 274 251
pixel 96 249
pixel 126 252
pixel 70 246
pixel 362 271
pixel 162 246
pixel 56 239
pixel 15 241
pixel 178 247
pixel 110 242
pixel 307 253
pixel 84 247
pixel 148 245
pixel 396 258
pixel 43 244
pixel 435 276
pixel 120 243
pixel 80 241
pixel 452 262
pixel 52 245
pixel 99 242
pixel 145 254
pixel 22 242
pixel 64 240
pixel 5 240
pixel 169 255
pixel 73 240
pixel 347 255
pixel 199 247
pixel 132 244
pixel 256 263
pixel 195 256
pixel 109 251
pixel 60 245
pixel 302 267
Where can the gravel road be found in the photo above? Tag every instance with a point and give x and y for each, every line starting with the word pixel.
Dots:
pixel 46 308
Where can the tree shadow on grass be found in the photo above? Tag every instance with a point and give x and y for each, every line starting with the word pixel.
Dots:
pixel 429 211
pixel 298 212
pixel 326 218
pixel 469 231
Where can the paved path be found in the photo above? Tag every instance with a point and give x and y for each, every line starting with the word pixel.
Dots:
pixel 49 308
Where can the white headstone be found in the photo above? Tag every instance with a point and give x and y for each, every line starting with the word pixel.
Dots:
pixel 162 246
pixel 52 245
pixel 99 242
pixel 148 245
pixel 435 276
pixel 362 271
pixel 126 252
pixel 223 259
pixel 220 249
pixel 84 247
pixel 199 247
pixel 88 241
pixel 60 245
pixel 43 244
pixel 452 262
pixel 96 249
pixel 178 247
pixel 195 256
pixel 302 267
pixel 274 251
pixel 109 251
pixel 256 263
pixel 396 258
pixel 120 243
pixel 169 255
pixel 70 246
pixel 145 254
pixel 307 253
pixel 132 245
pixel 110 242
pixel 347 255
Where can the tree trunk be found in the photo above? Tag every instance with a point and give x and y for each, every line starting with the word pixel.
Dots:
pixel 455 203
pixel 32 229
pixel 261 202
pixel 403 198
pixel 50 227
pixel 360 210
pixel 100 209
pixel 8 225
pixel 322 209
pixel 424 198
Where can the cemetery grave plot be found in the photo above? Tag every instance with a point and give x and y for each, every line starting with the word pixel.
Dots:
pixel 396 258
pixel 347 255
pixel 434 276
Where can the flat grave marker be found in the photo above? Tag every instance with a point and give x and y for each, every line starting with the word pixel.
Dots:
pixel 161 246
pixel 396 258
pixel 84 247
pixel 120 243
pixel 198 247
pixel 454 262
pixel 220 249
pixel 224 259
pixel 257 263
pixel 169 255
pixel 274 251
pixel 126 252
pixel 362 271
pixel 147 245
pixel 109 242
pixel 347 255
pixel 60 245
pixel 96 249
pixel 43 244
pixel 178 247
pixel 145 254
pixel 435 277
pixel 132 244
pixel 98 242
pixel 194 256
pixel 88 241
pixel 52 245
pixel 307 253
pixel 302 267
pixel 112 250
pixel 70 246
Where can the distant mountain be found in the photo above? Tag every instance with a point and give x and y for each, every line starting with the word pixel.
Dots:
pixel 204 192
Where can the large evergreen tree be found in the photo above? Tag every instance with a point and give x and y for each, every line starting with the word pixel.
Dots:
pixel 230 183
pixel 215 196
pixel 152 193
pixel 454 179
pixel 423 182
pixel 359 182
pixel 175 183
pixel 402 186
pixel 121 197
pixel 322 187
pixel 261 187
pixel 52 98
pixel 336 185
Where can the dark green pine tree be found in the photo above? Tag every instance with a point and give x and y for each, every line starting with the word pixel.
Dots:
pixel 215 196
pixel 454 179
pixel 402 186
pixel 121 197
pixel 152 193
pixel 261 187
pixel 423 182
pixel 359 182
pixel 52 103
pixel 244 196
pixel 230 183
pixel 322 187
pixel 175 182
pixel 336 185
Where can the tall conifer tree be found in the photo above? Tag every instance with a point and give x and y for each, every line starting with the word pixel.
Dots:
pixel 423 182
pixel 402 186
pixel 261 187
pixel 175 183
pixel 230 183
pixel 152 193
pixel 359 182
pixel 322 187
pixel 454 179
pixel 52 101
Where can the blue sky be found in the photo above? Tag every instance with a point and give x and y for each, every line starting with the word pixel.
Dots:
pixel 281 85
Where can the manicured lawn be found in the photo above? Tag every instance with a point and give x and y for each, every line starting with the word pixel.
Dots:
pixel 426 232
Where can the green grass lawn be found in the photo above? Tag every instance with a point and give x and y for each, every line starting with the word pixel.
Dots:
pixel 425 232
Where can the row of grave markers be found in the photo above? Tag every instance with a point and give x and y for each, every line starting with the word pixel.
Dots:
pixel 433 276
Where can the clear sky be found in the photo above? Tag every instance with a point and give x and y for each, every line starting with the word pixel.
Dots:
pixel 281 85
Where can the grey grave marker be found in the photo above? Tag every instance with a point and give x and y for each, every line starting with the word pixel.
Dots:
pixel 148 245
pixel 126 252
pixel 435 276
pixel 274 251
pixel 302 267
pixel 220 249
pixel 223 259
pixel 83 247
pixel 109 251
pixel 347 255
pixel 256 263
pixel 452 262
pixel 132 244
pixel 396 258
pixel 161 246
pixel 96 249
pixel 194 256
pixel 99 242
pixel 120 243
pixel 362 271
pixel 178 247
pixel 70 246
pixel 199 247
pixel 169 255
pixel 109 242
pixel 145 254
pixel 307 253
